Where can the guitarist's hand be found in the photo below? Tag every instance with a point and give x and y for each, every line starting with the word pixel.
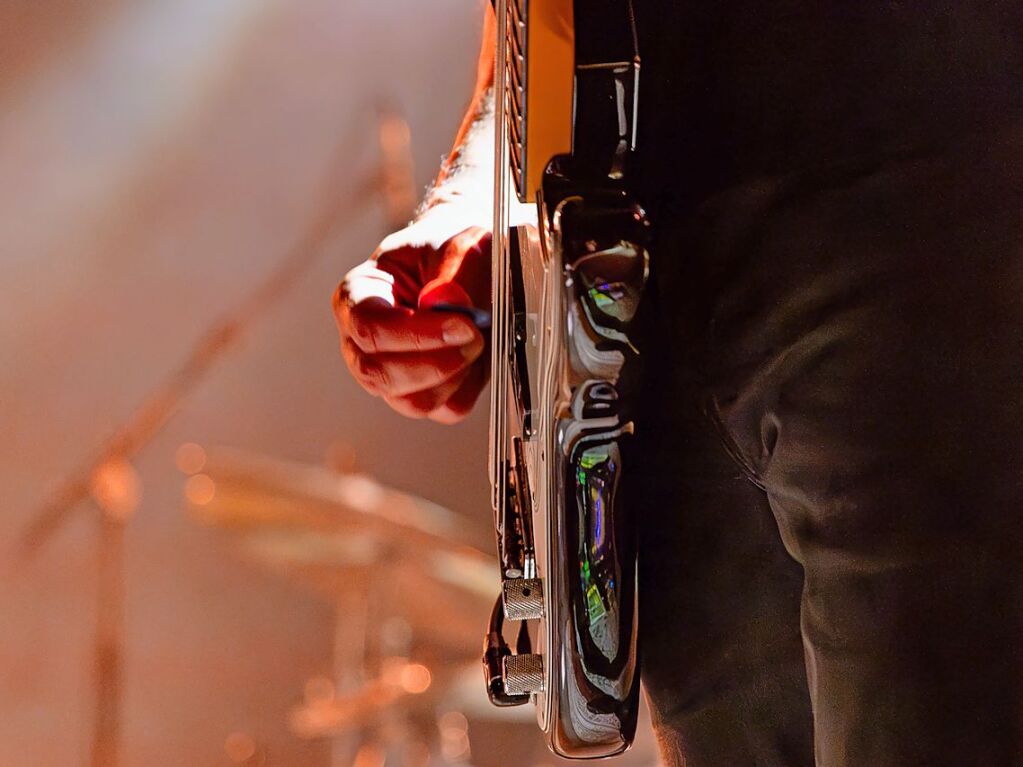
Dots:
pixel 424 363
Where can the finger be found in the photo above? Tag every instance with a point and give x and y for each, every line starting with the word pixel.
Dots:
pixel 400 374
pixel 350 322
pixel 377 328
pixel 460 404
pixel 392 277
pixel 421 404
pixel 370 287
pixel 358 366
pixel 462 276
pixel 366 281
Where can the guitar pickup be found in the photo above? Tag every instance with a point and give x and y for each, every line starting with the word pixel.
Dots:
pixel 520 332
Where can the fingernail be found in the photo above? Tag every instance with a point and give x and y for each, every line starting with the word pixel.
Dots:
pixel 457 332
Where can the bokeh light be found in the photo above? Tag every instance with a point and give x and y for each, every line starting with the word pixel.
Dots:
pixel 200 489
pixel 416 678
pixel 239 747
pixel 190 458
pixel 117 488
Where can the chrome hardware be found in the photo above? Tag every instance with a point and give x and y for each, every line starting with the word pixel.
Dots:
pixel 495 651
pixel 523 599
pixel 523 674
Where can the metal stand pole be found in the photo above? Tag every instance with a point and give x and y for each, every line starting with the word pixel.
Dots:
pixel 351 630
pixel 341 204
pixel 109 647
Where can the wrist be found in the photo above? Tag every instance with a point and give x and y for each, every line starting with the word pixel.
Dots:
pixel 433 226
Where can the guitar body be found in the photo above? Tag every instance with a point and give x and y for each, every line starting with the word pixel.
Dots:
pixel 566 293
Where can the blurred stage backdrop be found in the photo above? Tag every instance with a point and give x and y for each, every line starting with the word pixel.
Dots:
pixel 168 167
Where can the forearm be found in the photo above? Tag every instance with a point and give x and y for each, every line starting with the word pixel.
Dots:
pixel 466 175
pixel 481 105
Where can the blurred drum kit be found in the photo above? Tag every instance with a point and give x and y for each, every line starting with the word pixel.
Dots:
pixel 410 585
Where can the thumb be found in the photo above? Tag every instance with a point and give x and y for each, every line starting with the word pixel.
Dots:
pixel 443 291
pixel 460 273
pixel 452 297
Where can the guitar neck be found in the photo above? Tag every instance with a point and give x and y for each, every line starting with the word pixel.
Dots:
pixel 539 83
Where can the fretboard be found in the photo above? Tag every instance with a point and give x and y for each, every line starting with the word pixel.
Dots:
pixel 516 90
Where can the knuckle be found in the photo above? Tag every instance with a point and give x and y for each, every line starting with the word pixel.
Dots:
pixel 369 371
pixel 363 330
pixel 361 368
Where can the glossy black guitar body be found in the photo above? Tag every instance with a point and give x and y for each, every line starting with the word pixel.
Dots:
pixel 567 544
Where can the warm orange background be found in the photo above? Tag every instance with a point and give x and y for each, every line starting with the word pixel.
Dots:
pixel 157 158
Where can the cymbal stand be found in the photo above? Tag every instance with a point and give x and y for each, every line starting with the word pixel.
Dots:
pixel 339 208
pixel 351 631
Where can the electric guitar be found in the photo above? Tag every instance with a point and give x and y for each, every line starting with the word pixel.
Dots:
pixel 565 294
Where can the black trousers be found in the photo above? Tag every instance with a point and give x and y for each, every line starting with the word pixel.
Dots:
pixel 830 479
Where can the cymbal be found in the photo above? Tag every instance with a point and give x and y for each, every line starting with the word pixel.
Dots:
pixel 340 534
pixel 272 492
pixel 401 684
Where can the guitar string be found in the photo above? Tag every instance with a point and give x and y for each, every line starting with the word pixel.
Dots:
pixel 498 285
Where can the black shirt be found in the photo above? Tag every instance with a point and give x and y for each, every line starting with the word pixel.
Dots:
pixel 735 89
